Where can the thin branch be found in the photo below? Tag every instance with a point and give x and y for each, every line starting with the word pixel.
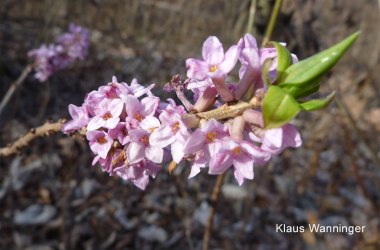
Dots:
pixel 214 199
pixel 14 86
pixel 272 21
pixel 251 17
pixel 44 130
pixel 223 112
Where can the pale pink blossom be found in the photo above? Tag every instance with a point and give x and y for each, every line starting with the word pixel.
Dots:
pixel 140 148
pixel 215 63
pixel 120 133
pixel 80 119
pixel 108 115
pixel 138 173
pixel 241 155
pixel 100 142
pixel 278 139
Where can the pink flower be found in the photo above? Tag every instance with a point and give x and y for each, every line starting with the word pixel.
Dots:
pixel 249 56
pixel 43 61
pixel 80 119
pixel 242 155
pixel 140 148
pixel 139 90
pixel 68 48
pixel 100 142
pixel 215 63
pixel 138 110
pixel 250 71
pixel 171 132
pixel 107 115
pixel 278 139
pixel 200 161
pixel 120 133
pixel 204 137
pixel 75 42
pixel 112 161
pixel 138 173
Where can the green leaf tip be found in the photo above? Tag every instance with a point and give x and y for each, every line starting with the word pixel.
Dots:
pixel 306 74
pixel 317 104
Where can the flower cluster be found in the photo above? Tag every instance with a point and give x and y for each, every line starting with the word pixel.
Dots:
pixel 68 48
pixel 239 142
pixel 133 133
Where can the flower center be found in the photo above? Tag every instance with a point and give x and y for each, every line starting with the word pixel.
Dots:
pixel 237 150
pixel 124 131
pixel 210 137
pixel 138 117
pixel 145 139
pixel 213 68
pixel 102 140
pixel 107 116
pixel 175 127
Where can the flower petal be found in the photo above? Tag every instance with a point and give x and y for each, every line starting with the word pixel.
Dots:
pixel 155 154
pixel 177 151
pixel 135 152
pixel 219 163
pixel 196 69
pixel 230 59
pixel 162 137
pixel 212 51
pixel 195 142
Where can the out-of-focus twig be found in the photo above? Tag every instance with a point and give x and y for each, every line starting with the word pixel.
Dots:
pixel 211 213
pixel 41 131
pixel 272 21
pixel 343 107
pixel 251 17
pixel 14 86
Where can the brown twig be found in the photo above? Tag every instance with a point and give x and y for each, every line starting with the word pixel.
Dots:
pixel 223 112
pixel 14 86
pixel 41 131
pixel 211 213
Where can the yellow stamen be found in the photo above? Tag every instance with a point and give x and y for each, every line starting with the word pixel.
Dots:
pixel 145 140
pixel 172 166
pixel 119 158
pixel 138 117
pixel 107 116
pixel 210 137
pixel 102 140
pixel 152 129
pixel 237 150
pixel 213 68
pixel 175 127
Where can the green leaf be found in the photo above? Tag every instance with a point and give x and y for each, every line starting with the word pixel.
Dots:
pixel 299 91
pixel 278 107
pixel 265 71
pixel 311 70
pixel 284 60
pixel 318 104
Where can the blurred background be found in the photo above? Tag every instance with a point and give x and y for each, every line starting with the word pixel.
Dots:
pixel 51 197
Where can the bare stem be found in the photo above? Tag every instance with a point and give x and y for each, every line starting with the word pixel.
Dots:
pixel 14 86
pixel 214 199
pixel 272 21
pixel 44 130
pixel 181 96
pixel 251 17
